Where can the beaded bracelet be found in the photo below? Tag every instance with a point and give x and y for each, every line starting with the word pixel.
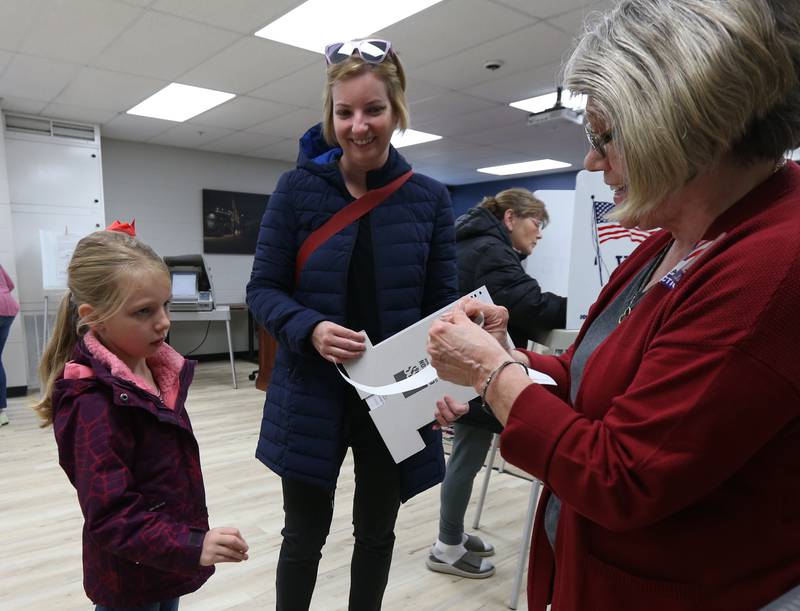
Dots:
pixel 492 376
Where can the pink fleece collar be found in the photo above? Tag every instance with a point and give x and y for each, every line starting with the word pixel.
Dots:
pixel 166 366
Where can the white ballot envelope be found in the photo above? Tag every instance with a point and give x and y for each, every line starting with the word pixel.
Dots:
pixel 396 380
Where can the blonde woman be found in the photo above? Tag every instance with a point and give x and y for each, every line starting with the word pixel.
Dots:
pixel 379 274
pixel 669 448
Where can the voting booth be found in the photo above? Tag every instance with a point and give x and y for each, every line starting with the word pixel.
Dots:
pixel 599 245
pixel 192 289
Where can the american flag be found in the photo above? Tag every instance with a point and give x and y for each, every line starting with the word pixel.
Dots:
pixel 610 230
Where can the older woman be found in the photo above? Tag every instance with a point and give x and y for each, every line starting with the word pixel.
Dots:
pixel 492 240
pixel 669 447
pixel 378 273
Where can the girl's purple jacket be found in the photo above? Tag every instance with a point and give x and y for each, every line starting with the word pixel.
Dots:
pixel 135 464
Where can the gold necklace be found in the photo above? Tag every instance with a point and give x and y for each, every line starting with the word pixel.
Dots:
pixel 633 300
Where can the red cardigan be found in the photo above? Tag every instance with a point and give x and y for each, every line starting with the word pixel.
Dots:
pixel 679 464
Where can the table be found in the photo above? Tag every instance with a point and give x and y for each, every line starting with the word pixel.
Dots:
pixel 221 312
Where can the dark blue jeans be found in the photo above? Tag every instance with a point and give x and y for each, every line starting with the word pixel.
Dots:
pixel 308 511
pixel 164 605
pixel 5 327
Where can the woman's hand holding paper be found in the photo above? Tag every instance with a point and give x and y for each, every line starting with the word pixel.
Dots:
pixel 336 343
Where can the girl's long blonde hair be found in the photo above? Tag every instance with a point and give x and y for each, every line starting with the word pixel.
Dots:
pixel 101 273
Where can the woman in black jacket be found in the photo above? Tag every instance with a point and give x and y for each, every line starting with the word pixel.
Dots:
pixel 492 240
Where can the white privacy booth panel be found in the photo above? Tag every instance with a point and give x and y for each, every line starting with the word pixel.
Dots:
pixel 549 261
pixel 598 245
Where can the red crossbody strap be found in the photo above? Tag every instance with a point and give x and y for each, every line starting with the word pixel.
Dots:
pixel 350 213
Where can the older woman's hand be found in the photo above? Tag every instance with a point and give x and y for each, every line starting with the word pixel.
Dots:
pixel 462 352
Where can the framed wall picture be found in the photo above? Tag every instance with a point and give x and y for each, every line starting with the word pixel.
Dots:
pixel 231 220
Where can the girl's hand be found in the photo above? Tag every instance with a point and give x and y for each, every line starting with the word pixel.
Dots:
pixel 223 544
pixel 448 411
pixel 336 343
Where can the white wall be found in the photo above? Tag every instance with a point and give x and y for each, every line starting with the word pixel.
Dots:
pixel 14 359
pixel 549 262
pixel 161 187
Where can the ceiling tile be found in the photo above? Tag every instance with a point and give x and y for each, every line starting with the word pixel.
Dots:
pixel 240 143
pixel 81 114
pixel 284 150
pixel 546 8
pixel 241 113
pixel 519 85
pixel 292 125
pixel 16 19
pixel 190 136
pixel 536 45
pixel 138 129
pixel 249 64
pixel 163 46
pixel 559 140
pixel 495 116
pixel 245 16
pixel 448 104
pixel 22 105
pixel 300 88
pixel 456 153
pixel 35 77
pixel 417 90
pixel 478 21
pixel 77 30
pixel 108 90
pixel 573 22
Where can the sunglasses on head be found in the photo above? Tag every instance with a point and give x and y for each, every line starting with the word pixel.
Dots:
pixel 371 50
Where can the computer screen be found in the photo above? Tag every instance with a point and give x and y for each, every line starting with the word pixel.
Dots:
pixel 184 285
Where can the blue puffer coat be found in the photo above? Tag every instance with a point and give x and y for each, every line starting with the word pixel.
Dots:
pixel 415 274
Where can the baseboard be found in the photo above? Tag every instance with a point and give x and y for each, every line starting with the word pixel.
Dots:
pixel 17 391
pixel 223 356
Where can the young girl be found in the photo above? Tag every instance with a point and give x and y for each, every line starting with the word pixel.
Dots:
pixel 115 395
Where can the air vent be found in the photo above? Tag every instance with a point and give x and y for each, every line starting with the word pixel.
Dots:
pixel 73 130
pixel 45 127
pixel 28 125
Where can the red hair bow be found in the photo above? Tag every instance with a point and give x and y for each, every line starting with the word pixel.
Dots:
pixel 129 228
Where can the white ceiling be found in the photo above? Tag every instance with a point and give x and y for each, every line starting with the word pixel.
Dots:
pixel 91 60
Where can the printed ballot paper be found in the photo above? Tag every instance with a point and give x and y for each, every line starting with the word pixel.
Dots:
pixel 396 380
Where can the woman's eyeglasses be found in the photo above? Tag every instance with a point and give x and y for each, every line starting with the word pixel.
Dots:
pixel 598 141
pixel 371 50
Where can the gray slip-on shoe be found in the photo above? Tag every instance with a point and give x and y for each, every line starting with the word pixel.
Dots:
pixel 469 566
pixel 477 546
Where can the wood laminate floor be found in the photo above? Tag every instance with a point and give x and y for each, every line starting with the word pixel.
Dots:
pixel 40 521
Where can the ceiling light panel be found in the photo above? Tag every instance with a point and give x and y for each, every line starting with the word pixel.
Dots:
pixel 538 165
pixel 316 23
pixel 177 102
pixel 411 137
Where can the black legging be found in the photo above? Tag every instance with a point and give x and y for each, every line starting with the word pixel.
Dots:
pixel 308 512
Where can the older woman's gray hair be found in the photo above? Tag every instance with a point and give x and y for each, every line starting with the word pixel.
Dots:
pixel 683 82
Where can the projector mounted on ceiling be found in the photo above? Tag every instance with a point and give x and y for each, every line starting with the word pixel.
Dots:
pixel 558 112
